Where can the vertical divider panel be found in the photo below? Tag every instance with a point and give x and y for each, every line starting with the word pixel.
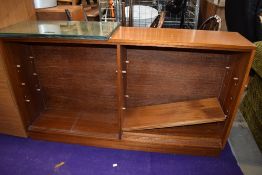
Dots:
pixel 32 84
pixel 121 56
pixel 36 84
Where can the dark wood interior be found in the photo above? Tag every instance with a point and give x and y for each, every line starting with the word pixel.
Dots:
pixel 72 90
pixel 164 75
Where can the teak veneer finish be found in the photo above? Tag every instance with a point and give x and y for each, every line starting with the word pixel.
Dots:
pixel 131 91
pixel 178 38
pixel 173 114
pixel 11 122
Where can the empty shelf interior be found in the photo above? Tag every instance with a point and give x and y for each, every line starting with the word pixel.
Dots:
pixel 90 124
pixel 173 114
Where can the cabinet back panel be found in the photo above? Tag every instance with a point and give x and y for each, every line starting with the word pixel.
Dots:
pixel 77 78
pixel 157 76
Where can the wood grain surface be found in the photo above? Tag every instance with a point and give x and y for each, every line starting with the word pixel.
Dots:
pixel 11 12
pixel 173 114
pixel 84 123
pixel 181 38
pixel 91 87
pixel 160 75
pixel 77 78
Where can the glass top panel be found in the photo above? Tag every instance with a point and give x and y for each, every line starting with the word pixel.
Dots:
pixel 61 29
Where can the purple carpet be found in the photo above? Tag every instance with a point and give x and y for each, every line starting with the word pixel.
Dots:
pixel 20 156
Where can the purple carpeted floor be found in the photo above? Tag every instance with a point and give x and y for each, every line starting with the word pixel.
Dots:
pixel 20 156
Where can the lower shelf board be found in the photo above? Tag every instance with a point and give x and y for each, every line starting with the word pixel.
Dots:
pixel 202 135
pixel 181 140
pixel 92 124
pixel 173 114
pixel 97 129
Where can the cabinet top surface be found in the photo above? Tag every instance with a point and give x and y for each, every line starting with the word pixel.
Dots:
pixel 83 32
pixel 180 38
pixel 60 29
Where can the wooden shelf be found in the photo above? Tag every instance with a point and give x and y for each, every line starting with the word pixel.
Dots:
pixel 173 114
pixel 79 123
pixel 203 135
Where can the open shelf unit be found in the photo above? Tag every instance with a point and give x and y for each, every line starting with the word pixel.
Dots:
pixel 128 94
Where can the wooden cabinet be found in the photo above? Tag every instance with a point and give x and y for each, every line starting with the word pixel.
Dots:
pixel 157 90
pixel 58 13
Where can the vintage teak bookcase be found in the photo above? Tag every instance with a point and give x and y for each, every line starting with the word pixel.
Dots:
pixel 160 90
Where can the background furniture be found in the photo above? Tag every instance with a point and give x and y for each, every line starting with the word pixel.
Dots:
pixel 210 8
pixel 251 106
pixel 242 17
pixel 44 3
pixel 76 11
pixel 178 14
pixel 143 89
pixel 58 13
pixel 212 23
pixel 73 2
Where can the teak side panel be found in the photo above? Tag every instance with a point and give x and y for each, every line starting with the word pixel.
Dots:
pixel 239 76
pixel 11 122
pixel 160 76
pixel 173 114
pixel 21 67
